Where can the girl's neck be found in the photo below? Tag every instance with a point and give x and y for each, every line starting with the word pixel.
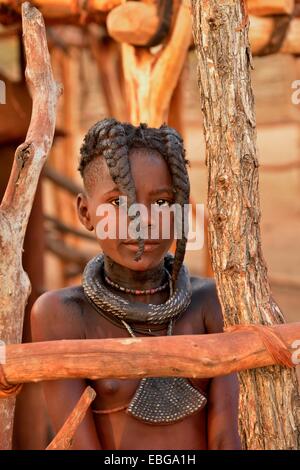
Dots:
pixel 126 277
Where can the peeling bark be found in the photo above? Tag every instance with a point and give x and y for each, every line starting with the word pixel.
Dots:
pixel 269 404
pixel 18 198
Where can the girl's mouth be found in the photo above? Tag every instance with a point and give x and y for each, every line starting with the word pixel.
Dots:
pixel 149 245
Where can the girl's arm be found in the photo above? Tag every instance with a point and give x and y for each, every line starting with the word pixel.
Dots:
pixel 52 320
pixel 223 414
pixel 223 398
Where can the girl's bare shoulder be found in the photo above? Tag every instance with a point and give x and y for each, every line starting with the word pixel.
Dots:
pixel 206 301
pixel 57 314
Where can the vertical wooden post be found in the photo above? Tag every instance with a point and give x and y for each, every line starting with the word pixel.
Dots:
pixel 150 78
pixel 269 411
pixel 18 198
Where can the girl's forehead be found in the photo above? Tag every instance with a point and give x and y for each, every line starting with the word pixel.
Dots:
pixel 144 151
pixel 148 158
pixel 146 164
pixel 147 167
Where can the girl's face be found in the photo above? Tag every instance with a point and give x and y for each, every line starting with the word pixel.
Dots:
pixel 154 191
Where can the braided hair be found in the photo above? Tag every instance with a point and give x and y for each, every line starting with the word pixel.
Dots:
pixel 113 140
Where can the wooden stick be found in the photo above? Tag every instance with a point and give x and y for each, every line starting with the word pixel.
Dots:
pixel 291 44
pixel 199 356
pixel 133 22
pixel 108 58
pixel 64 228
pixel 68 253
pixel 270 7
pixel 31 155
pixel 18 199
pixel 151 78
pixel 104 5
pixel 261 30
pixel 64 438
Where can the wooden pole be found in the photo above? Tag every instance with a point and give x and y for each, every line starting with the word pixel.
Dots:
pixel 18 198
pixel 261 30
pixel 269 397
pixel 64 437
pixel 271 7
pixel 201 356
pixel 151 78
pixel 133 22
pixel 107 54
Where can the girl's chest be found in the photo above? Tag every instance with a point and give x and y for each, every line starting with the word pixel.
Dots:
pixel 115 393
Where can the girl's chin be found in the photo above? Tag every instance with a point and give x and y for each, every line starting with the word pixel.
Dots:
pixel 141 265
pixel 147 261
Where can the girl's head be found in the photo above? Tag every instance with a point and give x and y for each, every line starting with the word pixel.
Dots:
pixel 146 165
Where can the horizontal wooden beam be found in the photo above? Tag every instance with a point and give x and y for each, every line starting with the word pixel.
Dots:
pixel 61 227
pixel 261 30
pixel 133 22
pixel 128 24
pixel 67 253
pixel 201 356
pixel 61 8
pixel 137 29
pixel 270 7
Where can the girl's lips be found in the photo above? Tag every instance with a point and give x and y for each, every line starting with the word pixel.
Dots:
pixel 149 246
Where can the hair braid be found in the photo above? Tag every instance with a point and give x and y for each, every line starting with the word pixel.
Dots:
pixel 175 156
pixel 168 142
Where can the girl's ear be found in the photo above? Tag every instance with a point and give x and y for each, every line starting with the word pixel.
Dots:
pixel 83 212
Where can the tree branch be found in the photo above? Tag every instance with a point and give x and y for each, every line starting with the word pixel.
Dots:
pixel 31 155
pixel 17 202
pixel 63 439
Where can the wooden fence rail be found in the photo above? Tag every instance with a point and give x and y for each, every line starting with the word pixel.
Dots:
pixel 198 356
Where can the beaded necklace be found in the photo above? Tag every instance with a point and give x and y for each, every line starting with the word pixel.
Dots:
pixel 127 290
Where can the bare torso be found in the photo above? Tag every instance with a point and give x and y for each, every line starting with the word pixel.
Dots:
pixel 117 429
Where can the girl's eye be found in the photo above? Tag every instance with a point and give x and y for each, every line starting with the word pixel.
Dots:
pixel 163 202
pixel 116 202
pixel 119 201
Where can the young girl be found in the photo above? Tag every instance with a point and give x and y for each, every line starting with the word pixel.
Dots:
pixel 135 287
